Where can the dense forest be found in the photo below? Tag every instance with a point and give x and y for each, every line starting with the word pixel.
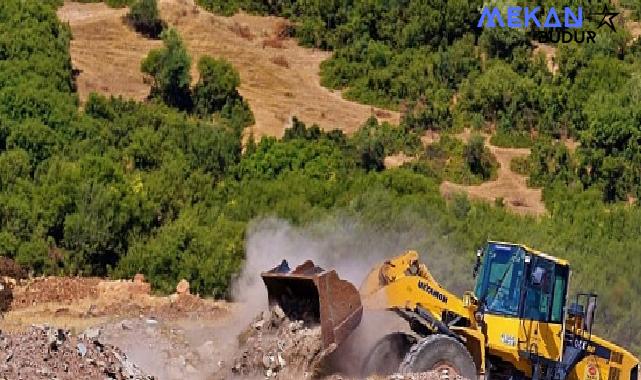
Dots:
pixel 165 188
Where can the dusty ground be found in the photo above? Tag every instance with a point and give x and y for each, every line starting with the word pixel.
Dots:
pixel 278 82
pixel 174 337
pixel 92 326
pixel 510 186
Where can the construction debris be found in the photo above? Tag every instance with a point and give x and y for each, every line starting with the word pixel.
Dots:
pixel 44 352
pixel 276 347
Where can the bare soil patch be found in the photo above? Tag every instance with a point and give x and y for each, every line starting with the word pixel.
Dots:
pixel 510 186
pixel 106 51
pixel 549 52
pixel 108 54
pixel 397 160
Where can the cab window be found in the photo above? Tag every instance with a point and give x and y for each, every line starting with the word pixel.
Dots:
pixel 545 291
pixel 560 288
pixel 538 292
pixel 499 286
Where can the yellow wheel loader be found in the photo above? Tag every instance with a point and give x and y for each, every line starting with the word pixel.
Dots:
pixel 518 323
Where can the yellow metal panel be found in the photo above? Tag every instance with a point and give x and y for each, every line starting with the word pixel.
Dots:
pixel 502 340
pixel 543 339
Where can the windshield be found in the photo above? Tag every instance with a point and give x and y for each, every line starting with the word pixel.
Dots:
pixel 499 285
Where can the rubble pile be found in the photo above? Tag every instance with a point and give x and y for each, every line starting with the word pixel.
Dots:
pixel 48 353
pixel 276 347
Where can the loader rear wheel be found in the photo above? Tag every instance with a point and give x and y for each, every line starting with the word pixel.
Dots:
pixel 387 354
pixel 440 353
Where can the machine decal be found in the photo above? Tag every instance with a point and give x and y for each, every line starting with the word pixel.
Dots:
pixel 433 292
pixel 591 372
pixel 508 339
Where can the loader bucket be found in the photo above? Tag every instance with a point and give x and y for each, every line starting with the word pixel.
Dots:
pixel 316 296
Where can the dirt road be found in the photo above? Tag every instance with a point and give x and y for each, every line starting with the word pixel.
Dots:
pixel 279 79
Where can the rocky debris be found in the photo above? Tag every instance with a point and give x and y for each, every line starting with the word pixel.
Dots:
pixel 45 352
pixel 182 287
pixel 274 346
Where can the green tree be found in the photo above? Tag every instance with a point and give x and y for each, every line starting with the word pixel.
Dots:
pixel 217 85
pixel 38 140
pixel 169 67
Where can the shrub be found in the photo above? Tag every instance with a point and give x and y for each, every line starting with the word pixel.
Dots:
pixel 520 165
pixel 478 158
pixel 145 18
pixel 512 139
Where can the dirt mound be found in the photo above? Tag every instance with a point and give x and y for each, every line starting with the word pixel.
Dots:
pixel 9 268
pixel 54 289
pixel 174 306
pixel 47 353
pixel 73 302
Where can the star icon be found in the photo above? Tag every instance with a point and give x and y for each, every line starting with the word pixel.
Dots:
pixel 607 15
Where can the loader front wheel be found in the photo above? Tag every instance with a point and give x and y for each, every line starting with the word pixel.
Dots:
pixel 442 354
pixel 388 353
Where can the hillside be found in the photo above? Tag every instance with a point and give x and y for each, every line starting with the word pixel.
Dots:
pixel 511 187
pixel 108 54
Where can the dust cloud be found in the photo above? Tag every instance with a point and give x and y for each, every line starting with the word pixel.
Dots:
pixel 342 244
pixel 346 244
pixel 349 245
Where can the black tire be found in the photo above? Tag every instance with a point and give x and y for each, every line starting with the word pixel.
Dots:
pixel 387 354
pixel 439 351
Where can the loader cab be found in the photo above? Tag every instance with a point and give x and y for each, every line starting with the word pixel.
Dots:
pixel 518 282
pixel 522 295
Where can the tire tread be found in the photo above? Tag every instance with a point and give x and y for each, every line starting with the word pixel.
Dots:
pixel 416 349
